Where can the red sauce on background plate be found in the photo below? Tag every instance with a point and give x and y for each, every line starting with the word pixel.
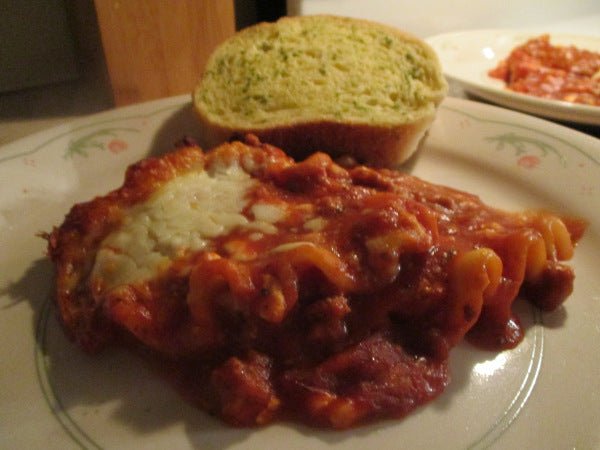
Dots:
pixel 564 73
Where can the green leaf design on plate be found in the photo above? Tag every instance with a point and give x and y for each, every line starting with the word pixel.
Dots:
pixel 521 144
pixel 81 146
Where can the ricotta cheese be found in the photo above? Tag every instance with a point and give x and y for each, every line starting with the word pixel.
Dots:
pixel 181 217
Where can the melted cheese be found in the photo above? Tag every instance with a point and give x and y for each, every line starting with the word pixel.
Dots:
pixel 181 217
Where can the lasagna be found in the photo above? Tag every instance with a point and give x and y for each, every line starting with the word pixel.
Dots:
pixel 541 69
pixel 302 291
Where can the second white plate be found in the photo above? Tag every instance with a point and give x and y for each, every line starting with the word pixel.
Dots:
pixel 467 56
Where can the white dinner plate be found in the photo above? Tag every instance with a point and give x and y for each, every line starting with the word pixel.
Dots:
pixel 543 394
pixel 467 56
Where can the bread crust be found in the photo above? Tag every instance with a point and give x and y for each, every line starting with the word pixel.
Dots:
pixel 375 146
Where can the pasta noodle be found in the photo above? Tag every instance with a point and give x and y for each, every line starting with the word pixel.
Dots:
pixel 475 277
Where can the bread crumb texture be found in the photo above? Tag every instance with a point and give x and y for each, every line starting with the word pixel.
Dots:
pixel 336 69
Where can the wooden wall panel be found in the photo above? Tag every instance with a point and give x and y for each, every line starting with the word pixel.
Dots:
pixel 158 48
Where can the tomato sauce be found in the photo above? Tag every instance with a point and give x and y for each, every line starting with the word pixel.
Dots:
pixel 564 73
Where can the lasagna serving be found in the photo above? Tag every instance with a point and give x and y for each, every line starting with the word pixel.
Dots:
pixel 302 291
pixel 541 69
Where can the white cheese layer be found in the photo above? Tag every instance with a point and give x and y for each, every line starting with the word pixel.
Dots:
pixel 182 216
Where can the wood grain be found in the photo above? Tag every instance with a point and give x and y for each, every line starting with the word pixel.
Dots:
pixel 158 48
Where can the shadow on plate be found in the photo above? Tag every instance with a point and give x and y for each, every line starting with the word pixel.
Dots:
pixel 182 125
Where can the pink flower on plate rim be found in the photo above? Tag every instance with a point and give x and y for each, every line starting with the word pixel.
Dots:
pixel 117 145
pixel 529 161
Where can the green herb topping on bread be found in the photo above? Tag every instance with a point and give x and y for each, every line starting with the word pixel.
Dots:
pixel 323 83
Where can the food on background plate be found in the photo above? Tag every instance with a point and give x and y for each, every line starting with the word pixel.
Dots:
pixel 554 72
pixel 303 291
pixel 323 83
